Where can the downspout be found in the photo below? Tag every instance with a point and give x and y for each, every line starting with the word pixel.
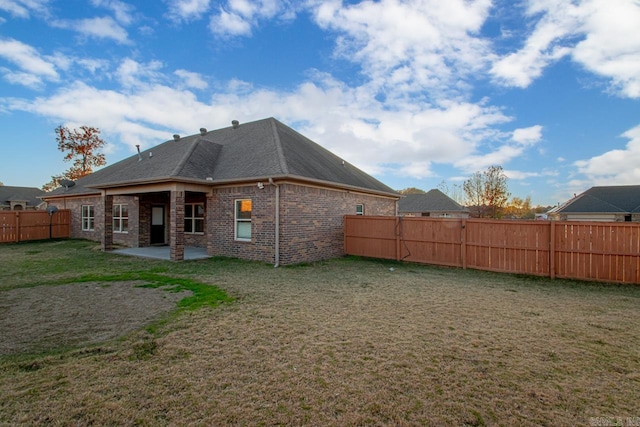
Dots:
pixel 277 225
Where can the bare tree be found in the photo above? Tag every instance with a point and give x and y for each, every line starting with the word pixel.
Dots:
pixel 474 189
pixel 496 190
pixel 487 192
pixel 80 146
pixel 411 190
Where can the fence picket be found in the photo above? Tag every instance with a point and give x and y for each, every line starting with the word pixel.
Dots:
pixel 575 250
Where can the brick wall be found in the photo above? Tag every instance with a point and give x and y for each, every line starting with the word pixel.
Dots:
pixel 220 223
pixel 311 222
pixel 130 238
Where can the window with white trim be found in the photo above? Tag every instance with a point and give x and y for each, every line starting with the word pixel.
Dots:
pixel 243 220
pixel 88 217
pixel 360 209
pixel 120 218
pixel 194 218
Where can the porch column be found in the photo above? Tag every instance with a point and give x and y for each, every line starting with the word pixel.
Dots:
pixel 176 226
pixel 107 225
pixel 211 226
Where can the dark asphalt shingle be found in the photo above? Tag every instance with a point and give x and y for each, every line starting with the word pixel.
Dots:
pixel 260 149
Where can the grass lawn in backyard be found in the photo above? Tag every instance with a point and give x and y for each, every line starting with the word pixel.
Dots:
pixel 344 342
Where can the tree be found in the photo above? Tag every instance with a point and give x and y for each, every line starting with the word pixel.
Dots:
pixel 496 190
pixel 80 146
pixel 411 190
pixel 519 209
pixel 474 189
pixel 487 192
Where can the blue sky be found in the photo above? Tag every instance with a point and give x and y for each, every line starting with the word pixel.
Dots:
pixel 413 92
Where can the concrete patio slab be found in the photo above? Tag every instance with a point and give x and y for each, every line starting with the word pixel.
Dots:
pixel 162 252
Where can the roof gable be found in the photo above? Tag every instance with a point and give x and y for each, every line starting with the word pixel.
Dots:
pixel 256 150
pixel 30 195
pixel 606 199
pixel 433 201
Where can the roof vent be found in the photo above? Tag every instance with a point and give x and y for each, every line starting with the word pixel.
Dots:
pixel 139 156
pixel 235 124
pixel 203 131
pixel 176 137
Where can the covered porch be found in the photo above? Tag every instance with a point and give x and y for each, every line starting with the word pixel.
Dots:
pixel 158 220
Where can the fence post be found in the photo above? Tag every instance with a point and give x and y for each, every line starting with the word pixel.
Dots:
pixel 552 250
pixel 17 227
pixel 398 232
pixel 463 244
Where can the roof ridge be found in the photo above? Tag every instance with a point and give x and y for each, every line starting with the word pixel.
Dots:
pixel 280 152
pixel 180 165
pixel 604 201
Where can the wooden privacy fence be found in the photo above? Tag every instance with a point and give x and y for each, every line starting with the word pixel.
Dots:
pixel 603 251
pixel 19 226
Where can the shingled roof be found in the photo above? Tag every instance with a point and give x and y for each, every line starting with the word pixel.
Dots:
pixel 30 195
pixel 251 151
pixel 605 199
pixel 433 201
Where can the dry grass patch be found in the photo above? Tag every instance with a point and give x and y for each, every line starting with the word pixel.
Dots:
pixel 349 342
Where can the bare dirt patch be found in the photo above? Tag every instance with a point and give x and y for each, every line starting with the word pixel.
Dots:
pixel 48 317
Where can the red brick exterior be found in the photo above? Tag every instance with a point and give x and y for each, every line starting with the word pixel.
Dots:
pixel 130 238
pixel 311 220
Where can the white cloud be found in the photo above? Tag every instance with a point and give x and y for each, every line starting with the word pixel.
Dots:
pixel 417 45
pixel 238 17
pixel 122 11
pixel 600 35
pixel 24 8
pixel 347 121
pixel 187 10
pixel 31 81
pixel 615 167
pixel 131 73
pixel 34 66
pixel 229 24
pixel 97 28
pixel 611 47
pixel 191 79
pixel 101 28
pixel 528 136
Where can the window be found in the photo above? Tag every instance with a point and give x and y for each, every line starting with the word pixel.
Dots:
pixel 87 217
pixel 120 218
pixel 359 209
pixel 194 218
pixel 243 219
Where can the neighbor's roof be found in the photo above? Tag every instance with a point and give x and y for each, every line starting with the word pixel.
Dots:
pixel 256 150
pixel 30 195
pixel 607 199
pixel 433 201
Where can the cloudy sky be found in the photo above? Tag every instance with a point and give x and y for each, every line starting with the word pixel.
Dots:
pixel 414 92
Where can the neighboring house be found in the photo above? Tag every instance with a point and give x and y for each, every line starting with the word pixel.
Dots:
pixel 258 191
pixel 21 198
pixel 434 203
pixel 607 203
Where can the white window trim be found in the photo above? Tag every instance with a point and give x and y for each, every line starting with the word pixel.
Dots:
pixel 89 219
pixel 237 220
pixel 361 205
pixel 194 218
pixel 119 219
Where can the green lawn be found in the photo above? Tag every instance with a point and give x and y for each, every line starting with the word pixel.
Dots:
pixel 343 342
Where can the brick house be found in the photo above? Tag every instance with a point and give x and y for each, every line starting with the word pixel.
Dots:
pixel 21 198
pixel 259 191
pixel 433 203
